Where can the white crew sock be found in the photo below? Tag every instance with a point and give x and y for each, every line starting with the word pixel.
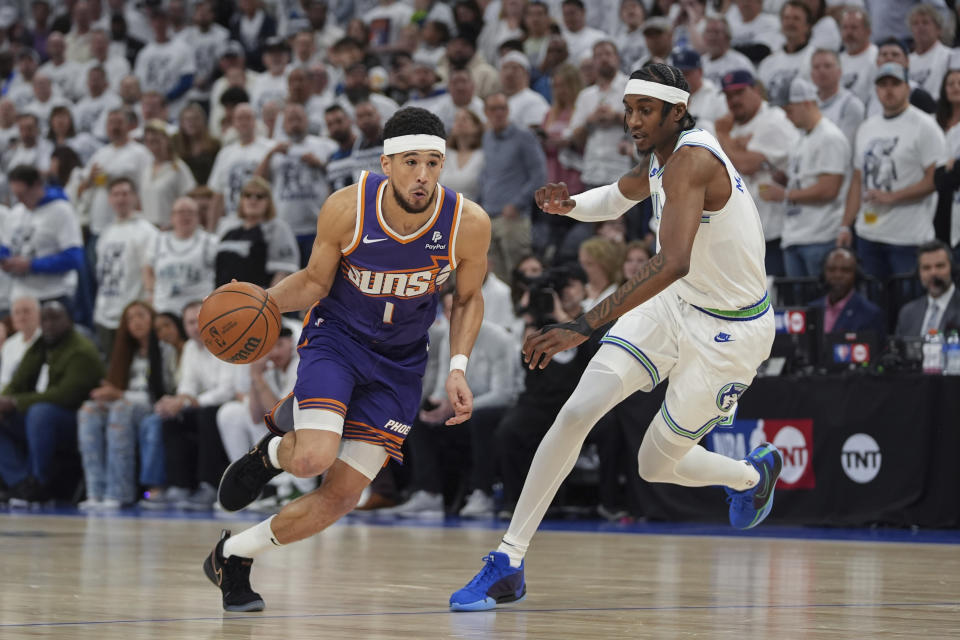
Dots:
pixel 252 542
pixel 273 447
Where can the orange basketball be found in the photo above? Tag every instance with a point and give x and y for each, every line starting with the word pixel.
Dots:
pixel 239 322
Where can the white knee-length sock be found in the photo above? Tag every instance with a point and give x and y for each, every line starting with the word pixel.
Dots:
pixel 252 542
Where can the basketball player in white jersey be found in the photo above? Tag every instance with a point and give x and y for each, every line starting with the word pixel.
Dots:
pixel 697 313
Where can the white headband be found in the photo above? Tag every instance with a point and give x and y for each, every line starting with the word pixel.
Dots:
pixel 418 142
pixel 656 90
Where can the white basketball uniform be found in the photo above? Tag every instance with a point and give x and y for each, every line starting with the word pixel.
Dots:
pixel 710 330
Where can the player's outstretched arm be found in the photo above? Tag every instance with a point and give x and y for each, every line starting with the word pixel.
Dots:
pixel 608 202
pixel 685 186
pixel 336 226
pixel 472 243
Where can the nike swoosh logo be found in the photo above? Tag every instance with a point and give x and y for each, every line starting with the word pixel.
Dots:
pixel 719 339
pixel 217 571
pixel 368 240
pixel 764 491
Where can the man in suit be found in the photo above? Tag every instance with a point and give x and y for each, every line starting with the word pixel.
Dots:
pixel 940 308
pixel 844 308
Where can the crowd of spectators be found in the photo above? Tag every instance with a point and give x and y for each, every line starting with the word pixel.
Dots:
pixel 153 150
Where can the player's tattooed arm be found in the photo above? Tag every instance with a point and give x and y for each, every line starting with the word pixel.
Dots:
pixel 685 184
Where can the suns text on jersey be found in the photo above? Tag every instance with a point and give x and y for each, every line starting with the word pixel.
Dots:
pixel 405 284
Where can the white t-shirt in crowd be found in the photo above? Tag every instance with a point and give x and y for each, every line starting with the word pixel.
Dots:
pixel 707 104
pixel 927 69
pixel 127 161
pixel 47 230
pixel 580 43
pixel 764 29
pixel 447 111
pixel 36 156
pixel 891 154
pixel 773 135
pixel 64 76
pixel 183 268
pixel 387 22
pixel 497 303
pixel 206 47
pixel 778 70
pixel 160 187
pixel 121 254
pixel 845 110
pixel 204 376
pixel 826 35
pixel 268 88
pixel 465 179
pixel 527 108
pixel 299 190
pixel 858 72
pixel 117 68
pixel 732 60
pixel 11 353
pixel 953 151
pixel 601 161
pixel 235 165
pixel 159 67
pixel 824 150
pixel 88 111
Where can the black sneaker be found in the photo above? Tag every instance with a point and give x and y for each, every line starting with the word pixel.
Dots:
pixel 245 478
pixel 28 492
pixel 232 576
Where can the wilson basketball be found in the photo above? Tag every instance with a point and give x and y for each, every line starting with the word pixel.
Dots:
pixel 239 322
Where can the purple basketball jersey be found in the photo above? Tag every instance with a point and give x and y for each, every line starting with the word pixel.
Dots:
pixel 387 285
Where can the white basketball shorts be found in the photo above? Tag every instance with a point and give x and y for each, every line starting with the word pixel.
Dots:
pixel 709 359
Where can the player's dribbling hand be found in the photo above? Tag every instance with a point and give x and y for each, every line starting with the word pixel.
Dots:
pixel 554 198
pixel 460 397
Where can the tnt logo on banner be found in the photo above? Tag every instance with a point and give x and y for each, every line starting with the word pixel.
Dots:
pixel 794 439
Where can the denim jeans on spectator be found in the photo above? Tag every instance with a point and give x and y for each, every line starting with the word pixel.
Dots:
pixel 29 442
pixel 806 260
pixel 773 260
pixel 107 434
pixel 882 260
pixel 153 472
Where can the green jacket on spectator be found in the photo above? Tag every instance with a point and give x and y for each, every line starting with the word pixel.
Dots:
pixel 75 369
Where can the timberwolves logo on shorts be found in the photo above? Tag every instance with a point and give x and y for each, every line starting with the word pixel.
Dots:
pixel 729 395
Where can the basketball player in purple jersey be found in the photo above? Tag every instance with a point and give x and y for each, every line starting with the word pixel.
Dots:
pixel 383 249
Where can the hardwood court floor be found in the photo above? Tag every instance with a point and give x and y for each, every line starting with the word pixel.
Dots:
pixel 134 578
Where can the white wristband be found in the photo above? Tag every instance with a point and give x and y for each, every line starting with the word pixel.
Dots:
pixel 459 361
pixel 603 203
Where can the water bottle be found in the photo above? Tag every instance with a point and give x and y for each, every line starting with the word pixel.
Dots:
pixel 933 353
pixel 951 352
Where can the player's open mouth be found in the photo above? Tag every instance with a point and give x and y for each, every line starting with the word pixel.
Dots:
pixel 419 194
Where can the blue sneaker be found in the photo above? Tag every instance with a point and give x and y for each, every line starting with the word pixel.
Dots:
pixel 497 583
pixel 749 508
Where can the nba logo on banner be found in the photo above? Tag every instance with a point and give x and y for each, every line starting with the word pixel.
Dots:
pixel 794 439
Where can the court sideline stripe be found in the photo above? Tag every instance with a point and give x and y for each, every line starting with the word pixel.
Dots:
pixel 294 616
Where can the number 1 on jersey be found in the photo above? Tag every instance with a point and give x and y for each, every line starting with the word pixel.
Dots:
pixel 388 313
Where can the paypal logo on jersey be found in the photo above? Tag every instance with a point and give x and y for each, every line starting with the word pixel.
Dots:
pixel 407 284
pixel 434 244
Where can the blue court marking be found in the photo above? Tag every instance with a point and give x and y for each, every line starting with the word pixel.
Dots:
pixel 872 534
pixel 374 614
